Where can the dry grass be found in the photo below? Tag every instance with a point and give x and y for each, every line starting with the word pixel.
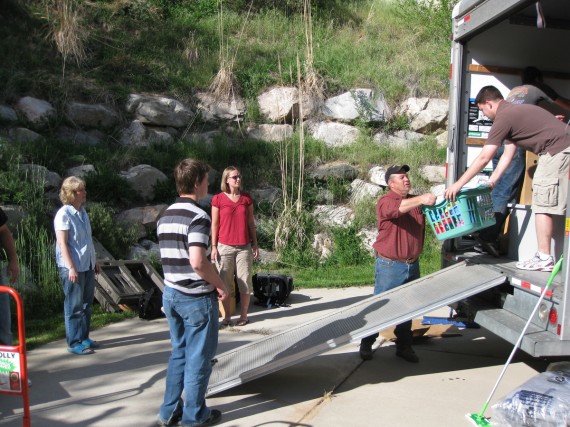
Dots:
pixel 191 52
pixel 66 29
pixel 313 84
pixel 224 86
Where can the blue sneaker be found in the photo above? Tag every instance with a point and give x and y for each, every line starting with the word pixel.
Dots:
pixel 89 343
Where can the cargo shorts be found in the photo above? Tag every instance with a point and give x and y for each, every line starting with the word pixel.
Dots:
pixel 550 184
pixel 238 261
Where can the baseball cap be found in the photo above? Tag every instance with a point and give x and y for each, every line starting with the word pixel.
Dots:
pixel 395 169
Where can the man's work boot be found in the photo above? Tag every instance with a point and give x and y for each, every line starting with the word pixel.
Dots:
pixel 365 350
pixel 407 353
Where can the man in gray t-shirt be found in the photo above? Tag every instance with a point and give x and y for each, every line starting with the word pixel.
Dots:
pixel 533 91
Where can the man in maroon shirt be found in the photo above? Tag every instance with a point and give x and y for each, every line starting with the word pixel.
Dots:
pixel 401 230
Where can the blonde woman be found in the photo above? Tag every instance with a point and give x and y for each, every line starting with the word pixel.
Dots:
pixel 76 261
pixel 234 241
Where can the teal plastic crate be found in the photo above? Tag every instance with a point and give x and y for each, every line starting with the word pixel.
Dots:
pixel 471 211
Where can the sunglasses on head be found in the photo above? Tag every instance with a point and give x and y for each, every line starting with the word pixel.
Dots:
pixel 235 177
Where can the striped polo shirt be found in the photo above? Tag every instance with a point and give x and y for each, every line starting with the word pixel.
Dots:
pixel 183 224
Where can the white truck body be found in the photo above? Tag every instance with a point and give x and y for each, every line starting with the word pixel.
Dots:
pixel 493 40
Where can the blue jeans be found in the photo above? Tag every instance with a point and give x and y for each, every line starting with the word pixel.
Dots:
pixel 504 192
pixel 506 188
pixel 388 275
pixel 193 323
pixel 77 305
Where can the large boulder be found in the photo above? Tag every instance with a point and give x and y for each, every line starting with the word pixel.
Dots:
pixel 144 218
pixel 213 109
pixel 339 216
pixel 41 175
pixel 135 134
pixel 267 194
pixel 159 111
pixel 426 114
pixel 271 133
pixel 362 190
pixel 77 136
pixel 333 134
pixel 363 104
pixel 281 104
pixel 144 250
pixel 377 175
pixel 401 138
pixel 24 135
pixel 441 139
pixel 35 111
pixel 8 114
pixel 15 216
pixel 80 171
pixel 92 115
pixel 142 179
pixel 335 170
pixel 433 173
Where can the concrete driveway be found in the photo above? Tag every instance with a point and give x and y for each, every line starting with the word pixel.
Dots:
pixel 123 383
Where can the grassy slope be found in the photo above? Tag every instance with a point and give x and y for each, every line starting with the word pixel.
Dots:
pixel 138 49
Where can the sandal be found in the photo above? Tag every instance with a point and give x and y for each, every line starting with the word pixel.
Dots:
pixel 242 322
pixel 80 350
pixel 226 322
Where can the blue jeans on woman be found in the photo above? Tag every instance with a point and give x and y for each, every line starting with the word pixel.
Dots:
pixel 77 305
pixel 193 323
pixel 388 275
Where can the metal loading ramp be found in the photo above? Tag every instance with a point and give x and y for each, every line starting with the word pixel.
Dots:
pixel 350 323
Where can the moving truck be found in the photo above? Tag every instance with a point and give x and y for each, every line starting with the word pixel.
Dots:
pixel 493 41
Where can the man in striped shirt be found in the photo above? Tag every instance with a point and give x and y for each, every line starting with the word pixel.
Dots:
pixel 192 288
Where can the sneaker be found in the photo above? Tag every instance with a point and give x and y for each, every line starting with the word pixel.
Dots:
pixel 537 264
pixel 407 353
pixel 365 351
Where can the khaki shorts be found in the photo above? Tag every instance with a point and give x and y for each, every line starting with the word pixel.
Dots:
pixel 238 261
pixel 550 184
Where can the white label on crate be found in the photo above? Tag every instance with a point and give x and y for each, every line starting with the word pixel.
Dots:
pixel 10 372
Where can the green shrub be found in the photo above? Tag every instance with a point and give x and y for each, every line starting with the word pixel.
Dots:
pixel 348 248
pixel 293 239
pixel 117 239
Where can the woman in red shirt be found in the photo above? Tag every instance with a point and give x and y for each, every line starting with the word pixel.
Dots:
pixel 234 241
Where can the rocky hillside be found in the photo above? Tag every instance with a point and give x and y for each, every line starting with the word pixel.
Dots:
pixel 154 123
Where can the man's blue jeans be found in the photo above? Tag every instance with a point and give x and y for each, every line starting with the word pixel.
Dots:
pixel 77 305
pixel 504 192
pixel 506 188
pixel 389 275
pixel 193 323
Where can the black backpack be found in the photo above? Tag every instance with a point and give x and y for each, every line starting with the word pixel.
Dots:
pixel 150 304
pixel 272 290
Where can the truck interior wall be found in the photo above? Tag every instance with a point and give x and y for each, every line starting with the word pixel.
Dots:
pixel 511 48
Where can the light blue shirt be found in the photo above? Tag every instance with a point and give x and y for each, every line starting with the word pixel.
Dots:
pixel 79 240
